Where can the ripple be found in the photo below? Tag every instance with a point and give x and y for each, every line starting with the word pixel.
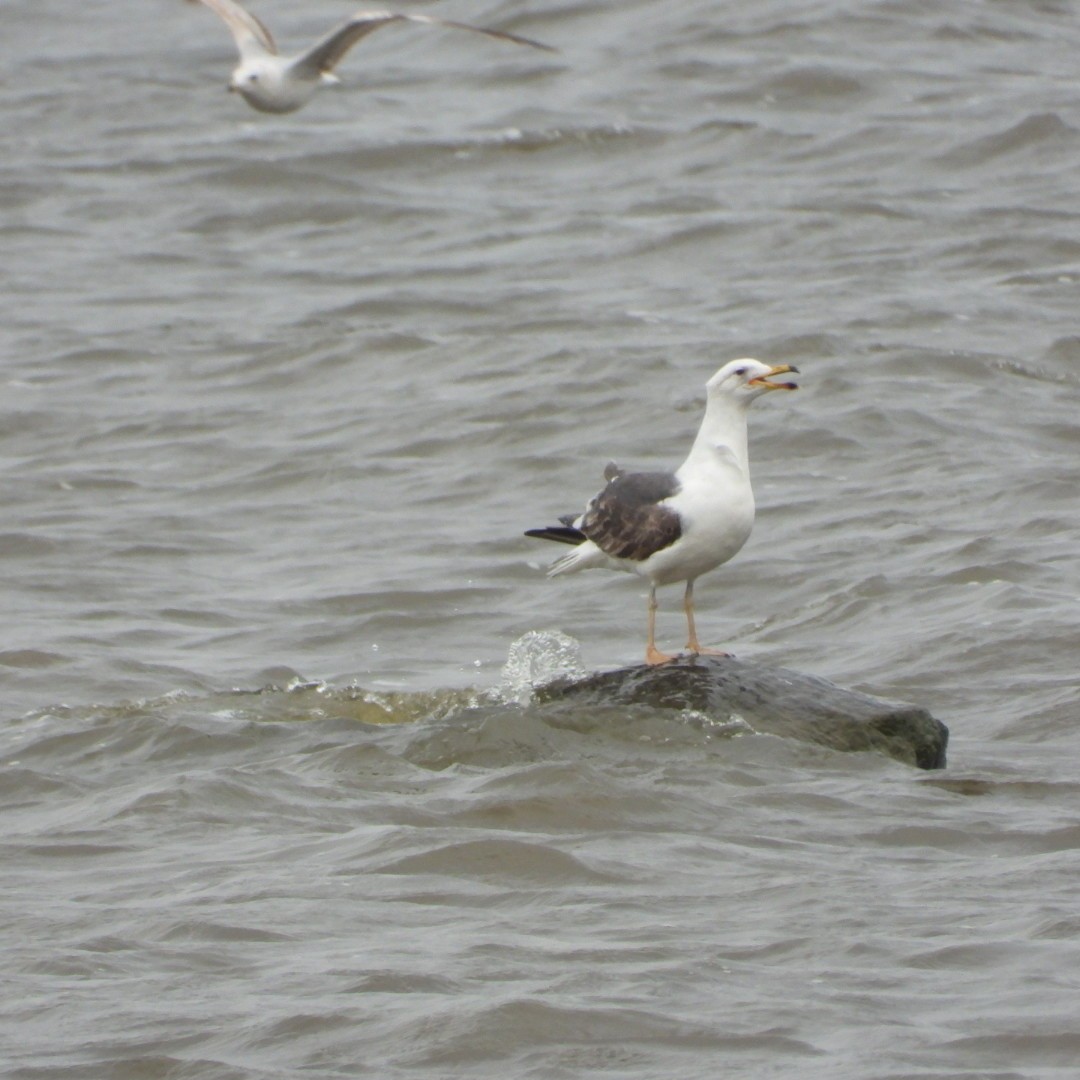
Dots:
pixel 1033 133
pixel 500 861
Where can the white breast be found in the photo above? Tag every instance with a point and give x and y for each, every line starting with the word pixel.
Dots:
pixel 716 505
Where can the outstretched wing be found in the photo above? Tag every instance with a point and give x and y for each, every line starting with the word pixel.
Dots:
pixel 629 519
pixel 326 54
pixel 251 37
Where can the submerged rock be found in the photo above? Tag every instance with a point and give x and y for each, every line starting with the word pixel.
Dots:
pixel 773 701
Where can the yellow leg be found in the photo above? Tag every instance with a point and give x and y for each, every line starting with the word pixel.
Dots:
pixel 652 654
pixel 693 644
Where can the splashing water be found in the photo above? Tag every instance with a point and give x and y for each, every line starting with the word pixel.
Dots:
pixel 537 658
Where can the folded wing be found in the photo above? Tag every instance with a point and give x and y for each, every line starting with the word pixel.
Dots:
pixel 630 518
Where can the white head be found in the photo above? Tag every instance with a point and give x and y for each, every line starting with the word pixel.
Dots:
pixel 266 84
pixel 743 380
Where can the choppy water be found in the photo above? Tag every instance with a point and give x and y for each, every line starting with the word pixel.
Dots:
pixel 280 396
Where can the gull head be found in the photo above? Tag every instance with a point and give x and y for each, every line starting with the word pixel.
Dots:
pixel 267 85
pixel 744 380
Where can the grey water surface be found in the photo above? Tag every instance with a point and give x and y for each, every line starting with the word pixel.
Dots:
pixel 281 394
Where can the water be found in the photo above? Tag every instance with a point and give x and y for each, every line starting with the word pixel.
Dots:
pixel 280 395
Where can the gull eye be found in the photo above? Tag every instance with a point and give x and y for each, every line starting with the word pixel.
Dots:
pixel 740 371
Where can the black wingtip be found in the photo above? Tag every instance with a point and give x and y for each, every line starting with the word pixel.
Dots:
pixel 560 534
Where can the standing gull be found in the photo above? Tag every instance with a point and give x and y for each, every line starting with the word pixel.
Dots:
pixel 280 84
pixel 676 526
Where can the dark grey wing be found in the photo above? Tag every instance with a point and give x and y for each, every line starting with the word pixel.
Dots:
pixel 629 519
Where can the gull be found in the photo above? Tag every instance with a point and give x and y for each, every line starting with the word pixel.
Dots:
pixel 280 84
pixel 676 526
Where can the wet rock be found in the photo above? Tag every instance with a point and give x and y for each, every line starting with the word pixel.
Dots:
pixel 773 701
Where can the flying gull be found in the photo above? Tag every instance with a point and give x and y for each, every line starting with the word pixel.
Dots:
pixel 671 527
pixel 280 84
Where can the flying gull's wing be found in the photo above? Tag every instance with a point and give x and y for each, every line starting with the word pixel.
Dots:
pixel 326 54
pixel 251 36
